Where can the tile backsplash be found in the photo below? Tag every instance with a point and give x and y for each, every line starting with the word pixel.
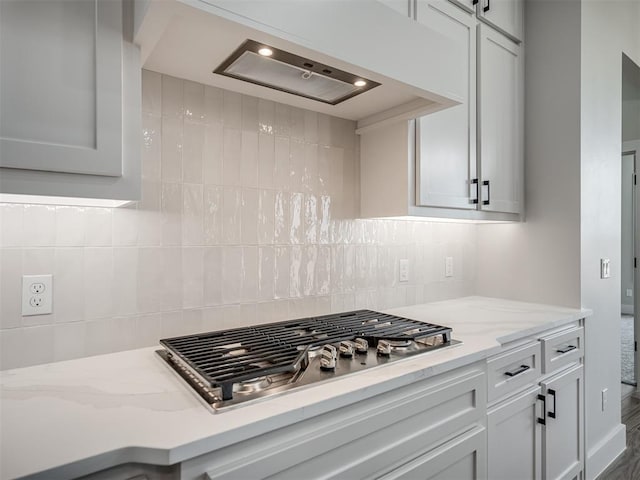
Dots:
pixel 249 214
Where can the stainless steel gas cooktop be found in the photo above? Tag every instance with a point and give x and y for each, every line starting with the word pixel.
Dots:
pixel 230 367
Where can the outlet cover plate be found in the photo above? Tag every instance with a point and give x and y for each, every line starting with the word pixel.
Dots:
pixel 37 295
pixel 403 270
pixel 448 267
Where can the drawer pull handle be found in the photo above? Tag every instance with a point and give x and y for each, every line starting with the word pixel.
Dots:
pixel 517 371
pixel 555 403
pixel 566 349
pixel 542 420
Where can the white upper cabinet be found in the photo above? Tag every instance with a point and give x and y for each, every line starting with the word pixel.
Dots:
pixel 501 119
pixel 505 15
pixel 446 140
pixel 70 99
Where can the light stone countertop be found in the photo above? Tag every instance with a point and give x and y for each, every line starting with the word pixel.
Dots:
pixel 67 419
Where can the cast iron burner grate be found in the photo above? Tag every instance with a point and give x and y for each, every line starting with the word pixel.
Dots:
pixel 227 357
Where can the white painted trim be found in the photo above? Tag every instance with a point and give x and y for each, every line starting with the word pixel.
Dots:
pixel 605 452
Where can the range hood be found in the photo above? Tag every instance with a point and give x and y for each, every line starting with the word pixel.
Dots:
pixel 407 68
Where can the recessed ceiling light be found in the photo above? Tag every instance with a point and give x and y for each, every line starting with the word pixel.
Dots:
pixel 265 52
pixel 359 83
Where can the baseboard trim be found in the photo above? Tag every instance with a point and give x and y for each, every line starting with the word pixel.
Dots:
pixel 626 309
pixel 605 452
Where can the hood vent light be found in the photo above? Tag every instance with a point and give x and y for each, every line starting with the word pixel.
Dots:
pixel 267 66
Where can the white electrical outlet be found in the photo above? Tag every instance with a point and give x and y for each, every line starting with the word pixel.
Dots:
pixel 403 270
pixel 448 267
pixel 629 292
pixel 37 295
pixel 605 398
pixel 605 268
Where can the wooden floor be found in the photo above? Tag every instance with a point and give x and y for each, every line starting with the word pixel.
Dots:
pixel 627 467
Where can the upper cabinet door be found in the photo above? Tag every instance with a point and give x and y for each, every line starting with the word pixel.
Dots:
pixel 61 89
pixel 500 134
pixel 446 140
pixel 505 15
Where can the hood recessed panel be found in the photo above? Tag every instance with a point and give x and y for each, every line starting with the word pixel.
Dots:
pixel 293 74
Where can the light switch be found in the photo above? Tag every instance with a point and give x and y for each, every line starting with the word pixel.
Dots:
pixel 605 268
pixel 403 271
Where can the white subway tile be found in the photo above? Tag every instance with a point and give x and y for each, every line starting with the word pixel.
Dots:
pixel 212 155
pixel 281 218
pixel 213 209
pixel 281 163
pixel 308 270
pixel 324 129
pixel 194 102
pixel 266 217
pixel 295 271
pixel 151 147
pixel 172 96
pixel 70 226
pixel 310 126
pixel 282 272
pixel 11 225
pixel 151 92
pixel 250 216
pixel 69 341
pixel 125 226
pixel 266 273
pixel 323 271
pixel 125 284
pixel 192 215
pixel 172 324
pixel 296 165
pixel 37 344
pixel 213 277
pixel 172 213
pixel 231 215
pixel 249 159
pixel 297 117
pixel 213 105
pixel 192 277
pixel 39 225
pixel 171 279
pixel 98 227
pixel 149 279
pixel 249 114
pixel 13 353
pixel 98 283
pixel 283 120
pixel 231 156
pixel 310 219
pixel 295 218
pixel 69 285
pixel 249 274
pixel 171 158
pixel 266 160
pixel 232 268
pixel 193 152
pixel 148 329
pixel 266 116
pixel 10 287
pixel 232 109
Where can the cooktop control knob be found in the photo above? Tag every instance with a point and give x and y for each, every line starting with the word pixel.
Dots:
pixel 328 357
pixel 384 348
pixel 362 346
pixel 347 348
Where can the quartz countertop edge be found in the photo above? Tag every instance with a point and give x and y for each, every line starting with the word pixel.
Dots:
pixel 131 407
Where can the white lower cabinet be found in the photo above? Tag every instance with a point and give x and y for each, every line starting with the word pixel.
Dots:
pixel 564 430
pixel 537 432
pixel 431 429
pixel 514 437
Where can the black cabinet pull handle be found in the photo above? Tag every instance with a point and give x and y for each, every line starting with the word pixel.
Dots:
pixel 517 371
pixel 542 420
pixel 486 7
pixel 474 2
pixel 566 349
pixel 488 200
pixel 555 406
pixel 477 184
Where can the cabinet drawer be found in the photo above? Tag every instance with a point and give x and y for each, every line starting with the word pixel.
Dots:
pixel 357 441
pixel 509 371
pixel 562 349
